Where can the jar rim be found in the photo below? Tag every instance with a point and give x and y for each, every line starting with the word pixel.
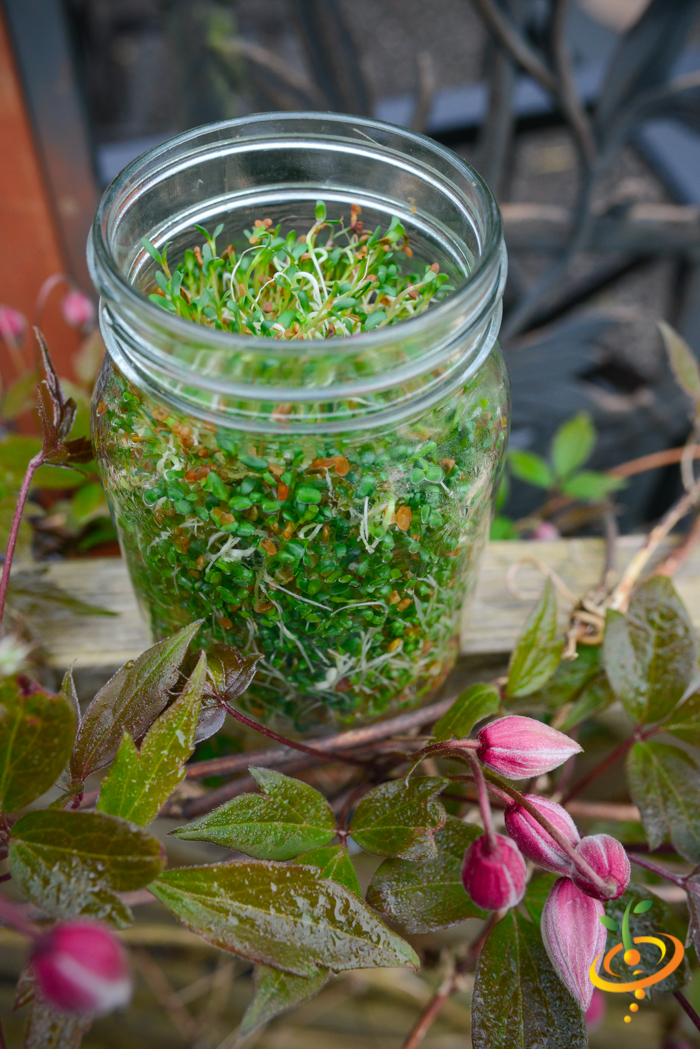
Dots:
pixel 113 284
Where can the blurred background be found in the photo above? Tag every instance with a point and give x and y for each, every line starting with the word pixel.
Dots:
pixel 584 118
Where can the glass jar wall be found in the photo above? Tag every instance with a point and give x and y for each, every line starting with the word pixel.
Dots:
pixel 322 503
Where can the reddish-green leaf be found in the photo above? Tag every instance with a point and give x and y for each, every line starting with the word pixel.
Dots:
pixel 536 654
pixel 71 863
pixel 139 782
pixel 428 896
pixel 685 721
pixel 519 1002
pixel 129 702
pixel 476 703
pixel 275 991
pixel 399 818
pixel 287 818
pixel 683 362
pixel 283 915
pixel 36 738
pixel 651 653
pixel 665 785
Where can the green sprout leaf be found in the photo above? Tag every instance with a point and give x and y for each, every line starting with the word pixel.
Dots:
pixel 320 211
pixel 129 702
pixel 665 785
pixel 428 896
pixel 536 654
pixel 71 863
pixel 650 654
pixel 530 468
pixel 36 739
pixel 399 818
pixel 609 923
pixel 139 782
pixel 572 445
pixel 282 915
pixel 287 818
pixel 643 907
pixel 472 706
pixel 657 916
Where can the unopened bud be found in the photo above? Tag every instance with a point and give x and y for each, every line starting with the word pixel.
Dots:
pixel 81 967
pixel 607 857
pixel 533 840
pixel 573 937
pixel 12 324
pixel 77 310
pixel 494 877
pixel 595 1013
pixel 520 747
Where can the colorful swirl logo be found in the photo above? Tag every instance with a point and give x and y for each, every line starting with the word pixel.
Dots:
pixel 631 957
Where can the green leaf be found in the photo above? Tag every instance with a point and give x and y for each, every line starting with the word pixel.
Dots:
pixel 275 991
pixel 579 684
pixel 536 654
pixel 518 1000
pixel 591 486
pixel 683 362
pixel 572 445
pixel 655 918
pixel 685 720
pixel 289 817
pixel 20 396
pixel 36 739
pixel 476 703
pixel 651 654
pixel 334 862
pixel 399 818
pixel 665 785
pixel 283 915
pixel 71 863
pixel 428 896
pixel 536 896
pixel 531 468
pixel 129 702
pixel 49 1028
pixel 139 782
pixel 609 924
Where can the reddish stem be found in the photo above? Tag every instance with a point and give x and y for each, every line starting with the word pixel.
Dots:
pixel 604 764
pixel 484 802
pixel 33 466
pixel 290 742
pixel 677 879
pixel 687 1008
pixel 10 914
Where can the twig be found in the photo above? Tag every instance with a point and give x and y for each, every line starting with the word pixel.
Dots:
pixel 621 595
pixel 612 757
pixel 426 91
pixel 677 879
pixel 271 63
pixel 294 744
pixel 34 464
pixel 687 1008
pixel 509 37
pixel 670 565
pixel 612 534
pixel 651 462
pixel 165 995
pixel 567 92
pixel 12 915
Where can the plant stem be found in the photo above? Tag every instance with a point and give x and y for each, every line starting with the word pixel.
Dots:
pixel 567 92
pixel 604 764
pixel 33 466
pixel 687 1008
pixel 2 1038
pixel 513 41
pixel 11 915
pixel 313 751
pixel 677 879
pixel 484 802
pixel 670 565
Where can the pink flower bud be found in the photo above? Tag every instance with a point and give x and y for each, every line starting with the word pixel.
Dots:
pixel 77 310
pixel 595 1013
pixel 533 840
pixel 573 937
pixel 609 860
pixel 546 530
pixel 494 879
pixel 81 967
pixel 12 324
pixel 519 747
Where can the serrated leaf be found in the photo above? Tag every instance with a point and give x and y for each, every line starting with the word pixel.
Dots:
pixel 536 654
pixel 289 817
pixel 282 915
pixel 129 702
pixel 139 782
pixel 275 991
pixel 518 1000
pixel 476 703
pixel 399 818
pixel 71 863
pixel 683 362
pixel 654 920
pixel 530 468
pixel 572 445
pixel 536 895
pixel 333 862
pixel 428 896
pixel 36 739
pixel 651 654
pixel 664 784
pixel 685 720
pixel 592 486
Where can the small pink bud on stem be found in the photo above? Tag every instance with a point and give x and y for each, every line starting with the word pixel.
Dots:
pixel 77 310
pixel 573 937
pixel 81 967
pixel 533 840
pixel 607 858
pixel 494 874
pixel 518 747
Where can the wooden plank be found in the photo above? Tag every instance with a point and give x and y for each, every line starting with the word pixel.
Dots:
pixel 491 622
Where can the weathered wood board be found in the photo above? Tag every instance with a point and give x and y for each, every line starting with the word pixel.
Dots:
pixel 491 623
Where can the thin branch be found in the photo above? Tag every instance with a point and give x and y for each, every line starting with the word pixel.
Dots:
pixel 484 802
pixel 426 91
pixel 687 1008
pixel 294 744
pixel 271 63
pixel 567 92
pixel 33 466
pixel 159 984
pixel 677 879
pixel 612 757
pixel 513 41
pixel 670 565
pixel 651 462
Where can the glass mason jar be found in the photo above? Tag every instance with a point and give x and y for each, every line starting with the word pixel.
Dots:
pixel 322 503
